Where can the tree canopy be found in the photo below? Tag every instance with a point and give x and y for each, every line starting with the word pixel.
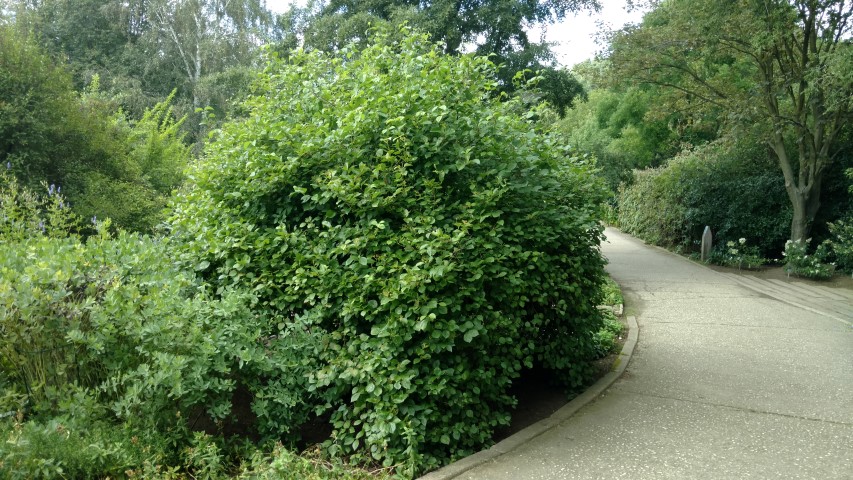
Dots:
pixel 779 64
pixel 144 49
pixel 490 28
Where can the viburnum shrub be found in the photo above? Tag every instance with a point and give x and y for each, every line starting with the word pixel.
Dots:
pixel 432 237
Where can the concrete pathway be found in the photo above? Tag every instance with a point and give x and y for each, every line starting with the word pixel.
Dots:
pixel 726 381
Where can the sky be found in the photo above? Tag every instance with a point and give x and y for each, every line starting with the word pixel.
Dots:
pixel 574 38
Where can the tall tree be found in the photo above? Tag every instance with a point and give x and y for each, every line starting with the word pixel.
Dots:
pixel 143 49
pixel 775 63
pixel 496 26
pixel 490 27
pixel 208 36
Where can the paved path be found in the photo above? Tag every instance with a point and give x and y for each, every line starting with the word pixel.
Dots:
pixel 725 382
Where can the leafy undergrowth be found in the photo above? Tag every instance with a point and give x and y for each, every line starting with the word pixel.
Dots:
pixel 537 393
pixel 612 293
pixel 65 448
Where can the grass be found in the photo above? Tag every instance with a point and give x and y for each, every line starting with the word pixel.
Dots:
pixel 612 293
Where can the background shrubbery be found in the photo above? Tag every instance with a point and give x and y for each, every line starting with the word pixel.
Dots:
pixel 731 187
pixel 105 163
pixel 422 237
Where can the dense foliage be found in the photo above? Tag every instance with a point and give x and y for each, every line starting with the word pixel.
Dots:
pixel 495 28
pixel 419 241
pixel 728 187
pixel 113 361
pixel 618 129
pixel 778 66
pixel 106 164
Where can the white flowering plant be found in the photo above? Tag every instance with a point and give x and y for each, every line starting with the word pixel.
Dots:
pixel 798 262
pixel 737 254
pixel 841 243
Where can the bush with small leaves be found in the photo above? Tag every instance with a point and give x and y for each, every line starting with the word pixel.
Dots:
pixel 430 237
pixel 111 332
pixel 112 316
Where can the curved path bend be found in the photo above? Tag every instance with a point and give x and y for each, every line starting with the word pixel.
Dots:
pixel 728 380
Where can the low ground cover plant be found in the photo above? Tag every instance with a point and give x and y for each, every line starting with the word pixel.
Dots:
pixel 737 254
pixel 416 239
pixel 799 262
pixel 612 294
pixel 606 338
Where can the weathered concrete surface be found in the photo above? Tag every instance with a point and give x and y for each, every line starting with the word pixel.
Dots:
pixel 726 381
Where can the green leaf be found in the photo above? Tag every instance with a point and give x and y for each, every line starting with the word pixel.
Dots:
pixel 470 334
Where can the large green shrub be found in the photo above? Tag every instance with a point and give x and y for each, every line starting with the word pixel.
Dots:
pixel 434 242
pixel 730 186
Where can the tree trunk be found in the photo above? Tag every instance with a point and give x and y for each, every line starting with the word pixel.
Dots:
pixel 799 223
pixel 805 203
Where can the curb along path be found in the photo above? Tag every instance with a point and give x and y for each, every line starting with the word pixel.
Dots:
pixel 727 381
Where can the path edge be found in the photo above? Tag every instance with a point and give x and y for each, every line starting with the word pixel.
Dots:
pixel 514 441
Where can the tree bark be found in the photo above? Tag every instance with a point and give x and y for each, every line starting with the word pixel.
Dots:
pixel 803 192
